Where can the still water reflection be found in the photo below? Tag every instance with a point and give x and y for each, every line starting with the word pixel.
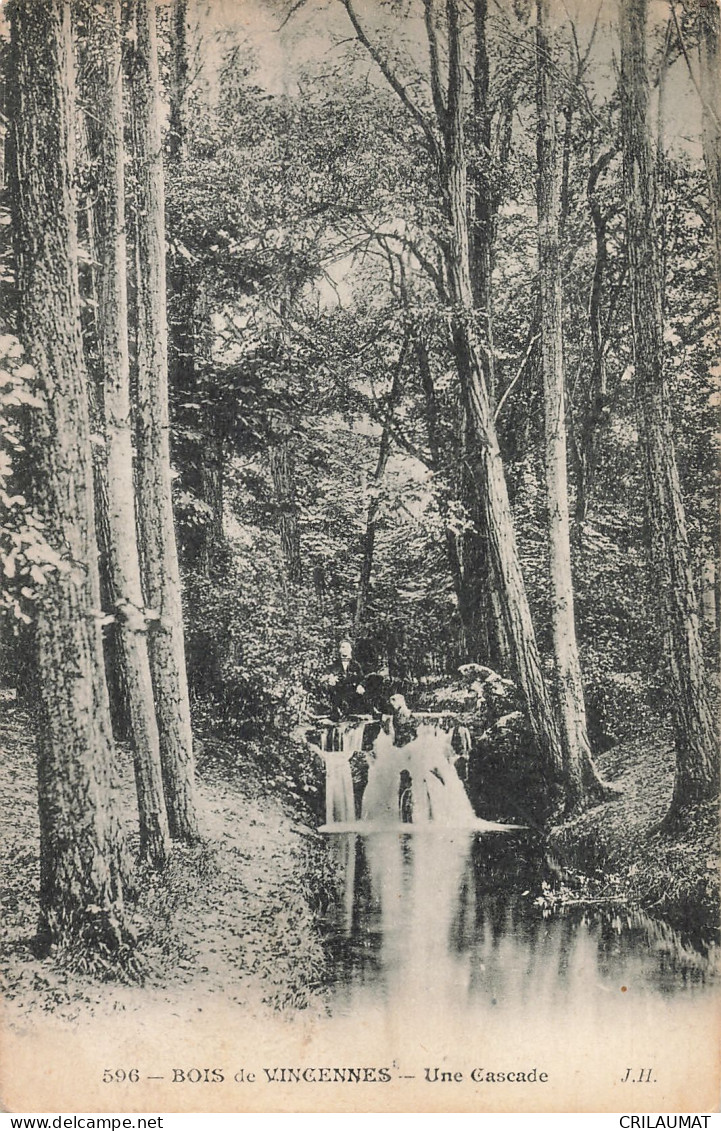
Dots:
pixel 437 923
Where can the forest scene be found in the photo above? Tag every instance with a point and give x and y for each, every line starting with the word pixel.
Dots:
pixel 359 400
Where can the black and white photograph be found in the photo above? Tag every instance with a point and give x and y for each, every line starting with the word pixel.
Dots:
pixel 360 374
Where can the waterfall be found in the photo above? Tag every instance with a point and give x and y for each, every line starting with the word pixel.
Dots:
pixel 463 751
pixel 416 782
pixel 464 741
pixel 339 743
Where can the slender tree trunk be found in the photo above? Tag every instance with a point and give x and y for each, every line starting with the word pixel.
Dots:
pixel 105 138
pixel 696 754
pixel 115 674
pixel 491 481
pixel 488 638
pixel 578 770
pixel 374 505
pixel 177 131
pixel 486 197
pixel 709 19
pixel 161 574
pixel 452 541
pixel 450 159
pixel 82 860
pixel 596 394
pixel 194 444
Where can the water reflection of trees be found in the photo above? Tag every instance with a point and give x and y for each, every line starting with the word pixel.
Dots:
pixel 450 920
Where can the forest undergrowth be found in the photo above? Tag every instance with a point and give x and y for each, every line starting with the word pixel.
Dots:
pixel 232 917
pixel 237 916
pixel 622 852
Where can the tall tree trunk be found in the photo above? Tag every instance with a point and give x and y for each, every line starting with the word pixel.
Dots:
pixel 580 781
pixel 453 547
pixel 485 195
pixel 696 754
pixel 369 537
pixel 446 143
pixel 115 675
pixel 487 639
pixel 82 860
pixel 709 19
pixel 159 561
pixel 105 139
pixel 491 479
pixel 483 636
pixel 177 125
pixel 191 439
pixel 596 392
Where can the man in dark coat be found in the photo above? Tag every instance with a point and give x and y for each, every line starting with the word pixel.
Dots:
pixel 345 680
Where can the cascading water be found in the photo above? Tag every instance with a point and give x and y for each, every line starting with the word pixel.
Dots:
pixel 416 782
pixel 412 778
pixel 339 743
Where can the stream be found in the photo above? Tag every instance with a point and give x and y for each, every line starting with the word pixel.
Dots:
pixel 450 918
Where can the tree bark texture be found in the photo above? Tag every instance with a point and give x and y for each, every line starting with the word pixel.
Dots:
pixel 486 197
pixel 491 479
pixel 595 392
pixel 696 755
pixel 481 600
pixel 578 771
pixel 105 139
pixel 488 641
pixel 453 543
pixel 177 132
pixel 709 19
pixel 82 859
pixel 199 447
pixel 159 556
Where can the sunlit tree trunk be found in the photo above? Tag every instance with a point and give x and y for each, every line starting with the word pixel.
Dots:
pixel 580 780
pixel 81 853
pixel 159 558
pixel 105 139
pixel 696 754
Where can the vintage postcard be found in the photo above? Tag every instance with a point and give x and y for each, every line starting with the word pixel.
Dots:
pixel 360 556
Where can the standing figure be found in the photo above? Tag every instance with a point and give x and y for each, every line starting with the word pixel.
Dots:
pixel 345 681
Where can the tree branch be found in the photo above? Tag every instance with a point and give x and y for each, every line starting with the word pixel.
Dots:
pixel 393 81
pixel 533 338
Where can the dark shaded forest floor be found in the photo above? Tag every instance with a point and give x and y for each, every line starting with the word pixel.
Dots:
pixel 237 916
pixel 619 850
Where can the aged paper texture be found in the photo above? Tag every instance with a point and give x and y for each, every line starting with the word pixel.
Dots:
pixel 450 940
